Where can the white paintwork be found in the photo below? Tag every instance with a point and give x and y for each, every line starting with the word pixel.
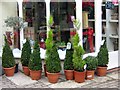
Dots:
pixel 21 15
pixel 47 13
pixel 98 24
pixel 113 59
pixel 79 17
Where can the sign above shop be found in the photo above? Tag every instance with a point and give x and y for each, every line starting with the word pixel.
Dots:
pixel 109 5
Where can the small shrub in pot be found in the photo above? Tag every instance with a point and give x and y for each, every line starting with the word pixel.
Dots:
pixel 91 63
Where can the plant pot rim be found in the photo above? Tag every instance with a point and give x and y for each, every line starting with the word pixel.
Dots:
pixel 90 70
pixel 68 70
pixel 78 71
pixel 25 66
pixel 52 73
pixel 102 66
pixel 10 67
pixel 35 70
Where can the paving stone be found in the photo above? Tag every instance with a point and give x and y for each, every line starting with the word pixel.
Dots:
pixel 113 75
pixel 101 79
pixel 21 79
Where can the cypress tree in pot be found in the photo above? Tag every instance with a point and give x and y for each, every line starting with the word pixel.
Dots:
pixel 25 57
pixel 53 65
pixel 8 61
pixel 91 63
pixel 68 65
pixel 52 59
pixel 103 60
pixel 78 62
pixel 35 63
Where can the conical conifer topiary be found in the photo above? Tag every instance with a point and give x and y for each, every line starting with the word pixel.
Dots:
pixel 68 63
pixel 26 51
pixel 35 62
pixel 7 56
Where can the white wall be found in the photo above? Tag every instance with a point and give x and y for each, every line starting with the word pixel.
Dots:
pixel 7 9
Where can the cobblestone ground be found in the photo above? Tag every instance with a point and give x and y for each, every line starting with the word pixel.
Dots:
pixel 112 80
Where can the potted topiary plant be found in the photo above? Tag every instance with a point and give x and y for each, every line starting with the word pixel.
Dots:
pixel 53 65
pixel 35 63
pixel 68 65
pixel 49 41
pixel 8 61
pixel 25 57
pixel 91 63
pixel 78 62
pixel 103 60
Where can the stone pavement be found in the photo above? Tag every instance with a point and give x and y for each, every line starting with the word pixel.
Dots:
pixel 112 80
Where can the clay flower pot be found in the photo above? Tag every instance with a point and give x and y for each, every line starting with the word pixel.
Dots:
pixel 53 77
pixel 35 75
pixel 69 74
pixel 26 70
pixel 90 74
pixel 45 70
pixel 79 76
pixel 9 71
pixel 101 71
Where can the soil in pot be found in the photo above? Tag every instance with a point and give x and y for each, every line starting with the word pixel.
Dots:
pixel 79 76
pixel 9 71
pixel 101 71
pixel 45 70
pixel 35 75
pixel 26 70
pixel 69 74
pixel 53 77
pixel 90 74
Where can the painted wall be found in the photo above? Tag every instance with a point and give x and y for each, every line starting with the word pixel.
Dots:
pixel 7 9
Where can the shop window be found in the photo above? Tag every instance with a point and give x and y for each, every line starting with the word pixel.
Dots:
pixel 88 15
pixel 62 13
pixel 35 16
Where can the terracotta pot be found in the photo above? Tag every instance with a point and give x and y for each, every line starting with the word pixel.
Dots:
pixel 101 71
pixel 26 70
pixel 69 74
pixel 79 76
pixel 45 70
pixel 9 71
pixel 90 74
pixel 53 77
pixel 35 75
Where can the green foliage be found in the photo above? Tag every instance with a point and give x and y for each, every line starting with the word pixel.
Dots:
pixel 7 56
pixel 60 43
pixel 103 58
pixel 35 62
pixel 68 63
pixel 92 62
pixel 49 42
pixel 50 22
pixel 75 40
pixel 15 22
pixel 78 62
pixel 26 51
pixel 53 61
pixel 77 24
